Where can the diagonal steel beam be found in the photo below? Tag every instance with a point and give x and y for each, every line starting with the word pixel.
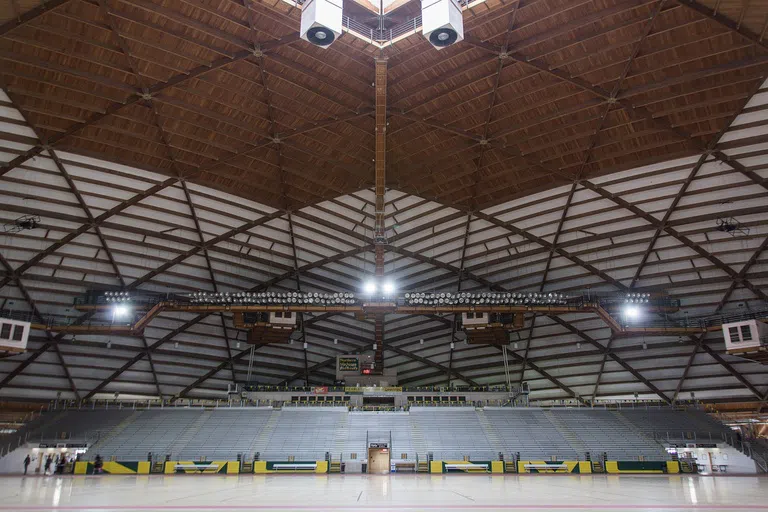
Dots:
pixel 613 356
pixel 698 342
pixel 213 371
pixel 428 362
pixel 31 15
pixel 725 364
pixel 617 87
pixel 208 264
pixel 445 266
pixel 667 215
pixel 138 95
pixel 19 283
pixel 70 182
pixel 40 318
pixel 541 371
pixel 138 357
pixel 37 353
pixel 676 234
pixel 508 226
pixel 524 362
pixel 709 150
pixel 632 110
pixel 602 369
pixel 736 28
pixel 557 236
pixel 155 189
pixel 687 368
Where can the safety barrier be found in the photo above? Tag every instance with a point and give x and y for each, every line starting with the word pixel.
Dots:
pixel 548 467
pixel 435 466
pixel 114 468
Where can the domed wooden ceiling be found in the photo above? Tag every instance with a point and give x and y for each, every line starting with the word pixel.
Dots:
pixel 564 145
pixel 224 93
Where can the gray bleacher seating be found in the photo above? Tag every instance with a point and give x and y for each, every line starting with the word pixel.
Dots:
pixel 304 433
pixel 449 433
pixel 225 434
pixel 529 432
pixel 151 431
pixel 673 424
pixel 81 425
pixel 380 426
pixel 600 431
pixel 452 433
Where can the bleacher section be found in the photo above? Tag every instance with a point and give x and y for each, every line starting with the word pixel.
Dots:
pixel 675 424
pixel 529 432
pixel 304 433
pixel 225 434
pixel 151 431
pixel 452 433
pixel 80 425
pixel 380 425
pixel 307 433
pixel 600 431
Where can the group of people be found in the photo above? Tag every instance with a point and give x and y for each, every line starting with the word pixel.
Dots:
pixel 52 464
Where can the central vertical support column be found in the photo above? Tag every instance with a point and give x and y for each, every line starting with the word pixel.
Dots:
pixel 380 234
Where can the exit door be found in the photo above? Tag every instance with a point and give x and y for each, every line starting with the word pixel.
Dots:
pixel 378 461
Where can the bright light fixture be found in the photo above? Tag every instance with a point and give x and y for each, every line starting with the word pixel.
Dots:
pixel 370 287
pixel 120 310
pixel 389 288
pixel 632 312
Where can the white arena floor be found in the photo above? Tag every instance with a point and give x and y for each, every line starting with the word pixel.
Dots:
pixel 301 493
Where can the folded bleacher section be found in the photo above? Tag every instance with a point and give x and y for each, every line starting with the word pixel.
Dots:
pixel 530 433
pixel 600 431
pixel 452 433
pixel 79 425
pixel 379 425
pixel 673 424
pixel 225 434
pixel 306 434
pixel 446 433
pixel 152 431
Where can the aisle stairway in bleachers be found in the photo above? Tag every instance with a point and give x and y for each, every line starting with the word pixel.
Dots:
pixel 490 432
pixel 186 436
pixel 417 439
pixel 573 440
pixel 452 433
pixel 529 432
pixel 116 431
pixel 224 434
pixel 340 437
pixel 449 433
pixel 598 431
pixel 259 443
pixel 151 431
pixel 379 426
pixel 306 434
pixel 623 419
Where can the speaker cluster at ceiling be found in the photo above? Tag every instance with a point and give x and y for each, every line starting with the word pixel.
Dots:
pixel 442 22
pixel 321 21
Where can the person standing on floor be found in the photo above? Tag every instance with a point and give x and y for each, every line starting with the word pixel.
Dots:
pixel 27 461
pixel 48 462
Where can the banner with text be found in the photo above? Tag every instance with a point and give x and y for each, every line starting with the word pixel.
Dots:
pixel 349 364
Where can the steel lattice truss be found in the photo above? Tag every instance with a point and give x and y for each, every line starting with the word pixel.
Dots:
pixel 481 203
